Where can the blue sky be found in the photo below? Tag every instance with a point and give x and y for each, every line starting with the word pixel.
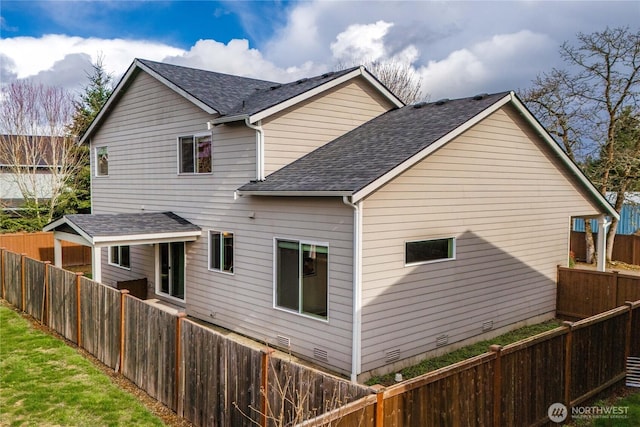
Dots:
pixel 457 48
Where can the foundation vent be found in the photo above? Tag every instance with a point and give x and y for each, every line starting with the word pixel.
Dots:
pixel 442 340
pixel 283 341
pixel 487 326
pixel 320 354
pixel 633 372
pixel 392 355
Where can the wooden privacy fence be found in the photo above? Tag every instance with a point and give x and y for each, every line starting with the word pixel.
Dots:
pixel 39 246
pixel 204 376
pixel 512 385
pixel 583 293
pixel 626 248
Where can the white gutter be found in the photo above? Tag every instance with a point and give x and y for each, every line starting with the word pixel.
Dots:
pixel 259 148
pixel 356 339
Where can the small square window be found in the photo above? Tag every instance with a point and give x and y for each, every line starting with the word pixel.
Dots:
pixel 425 251
pixel 102 161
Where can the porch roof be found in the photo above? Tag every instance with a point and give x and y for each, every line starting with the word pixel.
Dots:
pixel 98 230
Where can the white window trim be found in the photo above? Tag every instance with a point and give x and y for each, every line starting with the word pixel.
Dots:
pixel 275 278
pixel 179 153
pixel 453 250
pixel 96 174
pixel 110 261
pixel 158 291
pixel 229 273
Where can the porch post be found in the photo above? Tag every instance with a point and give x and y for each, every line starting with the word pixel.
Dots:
pixel 601 245
pixel 57 253
pixel 96 263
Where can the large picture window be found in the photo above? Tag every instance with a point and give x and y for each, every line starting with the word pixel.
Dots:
pixel 302 276
pixel 194 153
pixel 120 256
pixel 424 251
pixel 102 161
pixel 221 251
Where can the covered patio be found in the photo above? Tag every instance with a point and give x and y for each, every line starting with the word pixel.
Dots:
pixel 124 229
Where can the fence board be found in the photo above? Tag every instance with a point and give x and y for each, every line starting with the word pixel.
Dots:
pixel 100 311
pixel 63 303
pixel 39 246
pixel 34 288
pixel 626 248
pixel 12 278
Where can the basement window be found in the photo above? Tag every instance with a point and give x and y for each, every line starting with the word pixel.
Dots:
pixel 427 251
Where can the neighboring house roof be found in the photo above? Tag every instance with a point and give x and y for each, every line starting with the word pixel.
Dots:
pixel 28 150
pixel 125 228
pixel 234 98
pixel 361 161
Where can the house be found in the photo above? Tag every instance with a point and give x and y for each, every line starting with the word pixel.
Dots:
pixel 27 164
pixel 629 215
pixel 324 216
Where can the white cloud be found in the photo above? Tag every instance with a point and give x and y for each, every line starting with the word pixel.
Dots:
pixel 361 43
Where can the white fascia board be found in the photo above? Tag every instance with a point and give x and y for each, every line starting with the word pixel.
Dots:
pixel 393 173
pixel 324 87
pixel 588 185
pixel 52 226
pixel 74 238
pixel 296 193
pixel 228 119
pixel 143 239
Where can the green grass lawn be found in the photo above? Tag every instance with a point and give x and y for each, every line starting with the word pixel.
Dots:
pixel 467 352
pixel 45 382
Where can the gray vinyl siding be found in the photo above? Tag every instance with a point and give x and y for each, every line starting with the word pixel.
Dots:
pixel 509 207
pixel 140 134
pixel 299 130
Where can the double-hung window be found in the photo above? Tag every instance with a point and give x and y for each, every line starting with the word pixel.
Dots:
pixel 302 277
pixel 432 250
pixel 194 154
pixel 120 256
pixel 221 251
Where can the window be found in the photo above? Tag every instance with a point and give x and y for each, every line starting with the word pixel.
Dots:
pixel 302 275
pixel 424 251
pixel 119 255
pixel 102 161
pixel 195 154
pixel 221 251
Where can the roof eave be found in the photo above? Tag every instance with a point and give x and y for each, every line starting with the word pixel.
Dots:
pixel 123 83
pixel 326 193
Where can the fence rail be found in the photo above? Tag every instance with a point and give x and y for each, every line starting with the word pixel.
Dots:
pixel 199 373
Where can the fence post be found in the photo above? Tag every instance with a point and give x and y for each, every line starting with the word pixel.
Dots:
pixel 567 364
pixel 23 296
pixel 497 385
pixel 78 309
pixel 45 294
pixel 264 395
pixel 2 272
pixel 615 287
pixel 379 389
pixel 178 388
pixel 123 293
pixel 629 336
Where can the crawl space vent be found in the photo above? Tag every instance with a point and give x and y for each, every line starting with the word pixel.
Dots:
pixel 633 372
pixel 320 354
pixel 392 355
pixel 487 326
pixel 442 340
pixel 283 341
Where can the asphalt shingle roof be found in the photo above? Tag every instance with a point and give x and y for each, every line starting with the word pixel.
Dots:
pixel 354 160
pixel 99 225
pixel 235 95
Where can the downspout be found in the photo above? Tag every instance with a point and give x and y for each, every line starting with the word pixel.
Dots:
pixel 603 228
pixel 356 339
pixel 259 147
